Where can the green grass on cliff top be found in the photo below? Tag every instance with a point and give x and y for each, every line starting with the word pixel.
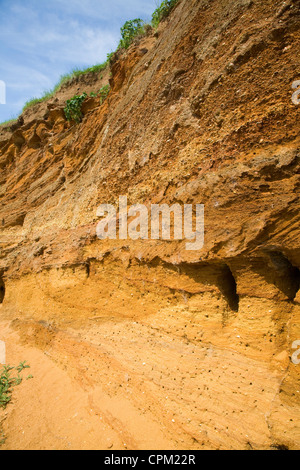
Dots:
pixel 63 80
pixel 162 12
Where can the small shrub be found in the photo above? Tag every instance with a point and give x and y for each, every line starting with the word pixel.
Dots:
pixel 102 93
pixel 22 366
pixel 129 31
pixel 7 382
pixel 73 108
pixel 109 57
pixel 163 11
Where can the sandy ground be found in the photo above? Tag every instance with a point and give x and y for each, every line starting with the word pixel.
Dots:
pixel 129 385
pixel 55 411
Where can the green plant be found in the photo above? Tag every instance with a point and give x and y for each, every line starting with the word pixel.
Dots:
pixel 8 382
pixel 103 93
pixel 109 57
pixel 163 11
pixel 22 366
pixel 2 438
pixel 33 101
pixel 129 31
pixel 73 108
pixel 64 79
pixel 6 385
pixel 79 72
pixel 8 122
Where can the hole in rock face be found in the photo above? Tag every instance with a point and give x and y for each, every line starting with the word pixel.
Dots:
pixel 2 290
pixel 228 288
pixel 286 276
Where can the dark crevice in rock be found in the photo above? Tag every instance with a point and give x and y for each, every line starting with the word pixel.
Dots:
pixel 209 274
pixel 286 276
pixel 228 287
pixel 15 221
pixel 88 269
pixel 2 290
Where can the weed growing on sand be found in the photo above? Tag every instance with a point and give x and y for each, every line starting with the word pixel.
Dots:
pixel 73 108
pixel 22 366
pixel 163 11
pixel 8 382
pixel 2 438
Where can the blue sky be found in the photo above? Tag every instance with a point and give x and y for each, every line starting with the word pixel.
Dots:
pixel 40 40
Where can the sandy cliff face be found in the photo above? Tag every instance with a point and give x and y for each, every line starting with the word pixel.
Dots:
pixel 199 112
